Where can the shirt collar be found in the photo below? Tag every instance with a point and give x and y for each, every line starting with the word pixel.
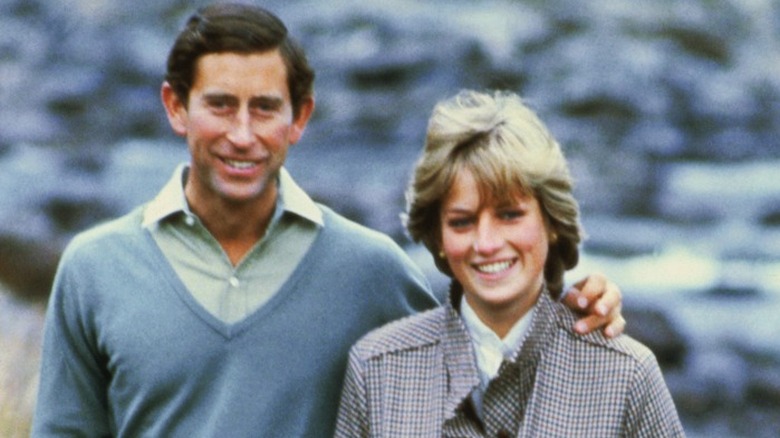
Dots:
pixel 296 201
pixel 171 199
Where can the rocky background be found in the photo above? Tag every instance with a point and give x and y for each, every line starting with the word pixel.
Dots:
pixel 669 112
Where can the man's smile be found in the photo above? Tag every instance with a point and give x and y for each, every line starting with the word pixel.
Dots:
pixel 239 164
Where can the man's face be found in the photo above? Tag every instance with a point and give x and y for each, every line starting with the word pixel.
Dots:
pixel 238 125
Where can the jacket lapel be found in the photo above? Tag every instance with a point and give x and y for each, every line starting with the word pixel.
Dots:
pixel 459 363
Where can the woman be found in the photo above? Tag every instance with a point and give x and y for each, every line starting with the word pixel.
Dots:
pixel 492 199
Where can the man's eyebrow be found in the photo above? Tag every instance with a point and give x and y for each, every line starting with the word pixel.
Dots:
pixel 267 100
pixel 227 98
pixel 219 96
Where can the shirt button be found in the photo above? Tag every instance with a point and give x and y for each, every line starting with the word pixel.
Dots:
pixel 189 220
pixel 234 282
pixel 503 434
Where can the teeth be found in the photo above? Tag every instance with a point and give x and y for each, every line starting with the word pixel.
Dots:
pixel 240 164
pixel 492 268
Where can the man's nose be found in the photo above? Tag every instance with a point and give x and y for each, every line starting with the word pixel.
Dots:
pixel 240 133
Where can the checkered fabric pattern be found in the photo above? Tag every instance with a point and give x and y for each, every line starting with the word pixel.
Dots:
pixel 413 377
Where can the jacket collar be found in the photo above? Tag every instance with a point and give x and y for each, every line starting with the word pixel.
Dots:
pixel 459 358
pixel 459 361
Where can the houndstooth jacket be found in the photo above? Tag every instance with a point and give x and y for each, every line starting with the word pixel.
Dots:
pixel 413 377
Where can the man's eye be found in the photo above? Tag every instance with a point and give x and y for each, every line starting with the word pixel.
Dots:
pixel 219 104
pixel 263 109
pixel 267 105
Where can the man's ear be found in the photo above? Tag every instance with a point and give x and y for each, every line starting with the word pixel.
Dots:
pixel 175 109
pixel 299 124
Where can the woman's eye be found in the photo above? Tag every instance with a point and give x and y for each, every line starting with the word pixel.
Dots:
pixel 459 222
pixel 510 214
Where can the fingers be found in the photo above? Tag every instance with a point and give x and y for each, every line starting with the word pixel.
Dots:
pixel 616 327
pixel 612 325
pixel 575 300
pixel 589 323
pixel 610 302
pixel 592 286
pixel 601 301
pixel 589 291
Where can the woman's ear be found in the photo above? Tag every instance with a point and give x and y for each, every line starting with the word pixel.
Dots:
pixel 175 109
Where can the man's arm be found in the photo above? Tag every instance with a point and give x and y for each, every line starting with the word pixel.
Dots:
pixel 73 387
pixel 600 301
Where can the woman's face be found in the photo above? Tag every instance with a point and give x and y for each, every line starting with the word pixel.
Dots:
pixel 496 252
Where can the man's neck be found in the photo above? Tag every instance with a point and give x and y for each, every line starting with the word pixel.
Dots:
pixel 236 226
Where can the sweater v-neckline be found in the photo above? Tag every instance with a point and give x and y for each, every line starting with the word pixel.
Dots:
pixel 225 329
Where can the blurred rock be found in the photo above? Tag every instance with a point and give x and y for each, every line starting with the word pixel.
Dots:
pixel 69 215
pixel 655 329
pixel 27 267
pixel 763 379
pixel 690 192
pixel 764 387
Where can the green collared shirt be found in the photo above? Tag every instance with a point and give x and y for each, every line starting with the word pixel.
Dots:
pixel 231 293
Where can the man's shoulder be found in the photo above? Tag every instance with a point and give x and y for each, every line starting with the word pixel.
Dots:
pixel 358 239
pixel 372 272
pixel 409 333
pixel 341 225
pixel 109 232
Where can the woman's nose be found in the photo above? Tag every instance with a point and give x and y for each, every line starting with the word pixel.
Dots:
pixel 487 239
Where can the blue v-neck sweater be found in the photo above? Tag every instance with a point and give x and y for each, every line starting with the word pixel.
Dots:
pixel 129 352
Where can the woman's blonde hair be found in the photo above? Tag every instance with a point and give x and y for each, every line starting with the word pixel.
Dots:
pixel 509 152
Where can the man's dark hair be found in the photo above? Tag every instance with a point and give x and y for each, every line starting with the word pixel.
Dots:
pixel 237 28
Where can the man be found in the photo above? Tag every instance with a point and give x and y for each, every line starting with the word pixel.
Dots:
pixel 226 306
